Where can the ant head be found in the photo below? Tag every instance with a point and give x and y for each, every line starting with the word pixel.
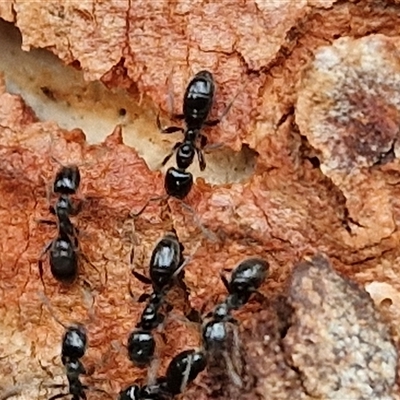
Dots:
pixel 74 342
pixel 178 183
pixel 185 155
pixel 67 180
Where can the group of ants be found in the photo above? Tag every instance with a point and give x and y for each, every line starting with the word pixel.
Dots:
pixel 219 332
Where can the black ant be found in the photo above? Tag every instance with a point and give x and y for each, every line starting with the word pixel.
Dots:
pixel 220 333
pixel 63 251
pixel 245 280
pixel 73 348
pixel 197 102
pixel 74 345
pixel 141 343
pixel 182 370
pixel 166 264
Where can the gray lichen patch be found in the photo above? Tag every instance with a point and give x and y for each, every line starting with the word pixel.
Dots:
pixel 348 107
pixel 349 102
pixel 337 340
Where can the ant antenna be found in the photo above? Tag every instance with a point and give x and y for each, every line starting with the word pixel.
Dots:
pixel 206 232
pixel 102 151
pixel 45 301
pixel 137 214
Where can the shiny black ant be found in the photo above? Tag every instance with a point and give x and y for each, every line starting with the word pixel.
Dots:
pixel 220 333
pixel 63 251
pixel 141 343
pixel 166 265
pixel 182 370
pixel 197 102
pixel 73 347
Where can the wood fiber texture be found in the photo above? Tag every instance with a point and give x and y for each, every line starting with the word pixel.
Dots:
pixel 317 85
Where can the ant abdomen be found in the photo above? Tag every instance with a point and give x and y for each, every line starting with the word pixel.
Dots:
pixel 178 183
pixel 141 347
pixel 64 260
pixel 165 261
pixel 198 99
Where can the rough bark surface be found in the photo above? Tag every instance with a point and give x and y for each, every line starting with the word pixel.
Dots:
pixel 317 85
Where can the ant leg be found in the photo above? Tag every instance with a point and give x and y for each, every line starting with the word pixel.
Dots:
pixel 59 396
pixel 152 370
pixel 202 161
pixel 76 209
pixel 169 129
pixel 93 266
pixel 226 110
pixel 208 147
pixel 166 159
pixel 259 296
pixel 135 215
pixel 237 362
pixel 143 297
pixel 183 265
pixel 186 374
pixel 231 371
pixel 141 278
pixel 40 260
pixel 46 222
pixel 210 235
pixel 203 140
pixel 225 282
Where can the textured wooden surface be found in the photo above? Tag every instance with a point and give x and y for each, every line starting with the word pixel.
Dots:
pixel 318 101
